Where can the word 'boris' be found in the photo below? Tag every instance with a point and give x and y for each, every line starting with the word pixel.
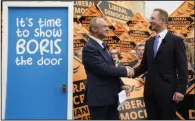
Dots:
pixel 33 46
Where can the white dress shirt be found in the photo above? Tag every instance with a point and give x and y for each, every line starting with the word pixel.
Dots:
pixel 98 41
pixel 161 37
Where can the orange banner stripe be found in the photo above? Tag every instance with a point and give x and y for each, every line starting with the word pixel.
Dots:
pixel 181 117
pixel 190 88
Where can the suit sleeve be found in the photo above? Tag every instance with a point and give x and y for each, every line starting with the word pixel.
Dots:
pixel 142 67
pixel 181 65
pixel 93 60
pixel 133 63
pixel 121 82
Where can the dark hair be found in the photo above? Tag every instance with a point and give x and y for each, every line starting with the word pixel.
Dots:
pixel 139 46
pixel 162 14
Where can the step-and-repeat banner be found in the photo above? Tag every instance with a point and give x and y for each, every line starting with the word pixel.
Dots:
pixel 128 28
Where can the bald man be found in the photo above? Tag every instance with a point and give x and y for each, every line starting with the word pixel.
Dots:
pixel 103 77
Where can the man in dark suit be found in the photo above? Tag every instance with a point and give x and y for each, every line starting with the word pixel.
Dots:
pixel 135 63
pixel 165 61
pixel 103 77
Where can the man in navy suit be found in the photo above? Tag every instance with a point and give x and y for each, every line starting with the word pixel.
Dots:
pixel 165 61
pixel 103 77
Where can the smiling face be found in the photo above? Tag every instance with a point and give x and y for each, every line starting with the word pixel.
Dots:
pixel 158 20
pixel 155 21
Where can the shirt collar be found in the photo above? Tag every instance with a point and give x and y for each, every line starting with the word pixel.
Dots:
pixel 163 34
pixel 97 40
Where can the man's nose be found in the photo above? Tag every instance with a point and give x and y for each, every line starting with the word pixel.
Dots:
pixel 150 20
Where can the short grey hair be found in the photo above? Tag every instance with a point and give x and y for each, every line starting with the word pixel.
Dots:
pixel 93 22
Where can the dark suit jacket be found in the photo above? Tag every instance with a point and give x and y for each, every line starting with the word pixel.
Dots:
pixel 167 72
pixel 133 63
pixel 103 82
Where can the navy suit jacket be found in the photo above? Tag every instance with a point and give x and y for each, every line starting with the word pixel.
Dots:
pixel 103 78
pixel 167 72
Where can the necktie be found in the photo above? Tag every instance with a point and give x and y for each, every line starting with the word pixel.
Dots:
pixel 106 48
pixel 105 45
pixel 156 44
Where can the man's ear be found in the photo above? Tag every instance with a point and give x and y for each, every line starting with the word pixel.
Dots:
pixel 163 20
pixel 93 29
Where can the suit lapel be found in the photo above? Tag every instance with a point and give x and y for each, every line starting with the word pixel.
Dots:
pixel 151 48
pixel 163 43
pixel 103 52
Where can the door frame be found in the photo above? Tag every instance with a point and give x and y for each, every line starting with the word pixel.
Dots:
pixel 6 5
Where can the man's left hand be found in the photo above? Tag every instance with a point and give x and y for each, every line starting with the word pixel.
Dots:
pixel 178 97
pixel 127 89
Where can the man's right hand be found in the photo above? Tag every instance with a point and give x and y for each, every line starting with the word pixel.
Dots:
pixel 130 72
pixel 178 97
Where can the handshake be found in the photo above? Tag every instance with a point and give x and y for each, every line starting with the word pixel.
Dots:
pixel 130 71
